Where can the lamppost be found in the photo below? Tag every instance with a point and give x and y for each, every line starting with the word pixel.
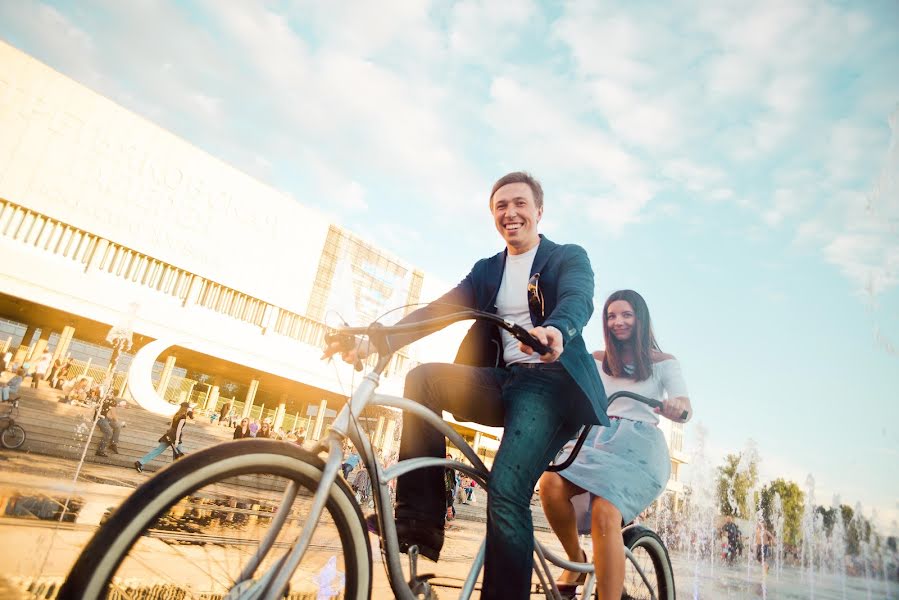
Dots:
pixel 119 337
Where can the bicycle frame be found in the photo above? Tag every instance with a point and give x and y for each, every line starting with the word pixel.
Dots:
pixel 345 426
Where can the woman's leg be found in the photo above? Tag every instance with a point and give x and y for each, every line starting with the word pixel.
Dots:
pixel 608 548
pixel 556 493
pixel 153 453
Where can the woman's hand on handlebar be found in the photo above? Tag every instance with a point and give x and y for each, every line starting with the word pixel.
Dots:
pixel 674 409
pixel 549 336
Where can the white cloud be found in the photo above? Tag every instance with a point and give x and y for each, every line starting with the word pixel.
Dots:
pixel 338 190
pixel 59 40
pixel 866 246
pixel 605 43
pixel 484 31
pixel 544 132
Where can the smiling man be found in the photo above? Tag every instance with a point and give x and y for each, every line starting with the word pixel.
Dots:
pixel 541 401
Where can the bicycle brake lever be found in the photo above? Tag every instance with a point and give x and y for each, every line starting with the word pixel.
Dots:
pixel 523 336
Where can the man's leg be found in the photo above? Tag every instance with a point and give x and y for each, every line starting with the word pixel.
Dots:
pixel 470 394
pixel 535 430
pixel 116 430
pixel 103 424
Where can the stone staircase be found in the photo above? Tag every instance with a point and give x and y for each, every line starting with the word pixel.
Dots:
pixel 57 429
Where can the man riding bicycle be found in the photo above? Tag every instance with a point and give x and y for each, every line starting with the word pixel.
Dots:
pixel 540 400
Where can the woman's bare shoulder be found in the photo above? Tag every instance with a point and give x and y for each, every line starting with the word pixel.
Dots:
pixel 599 354
pixel 658 357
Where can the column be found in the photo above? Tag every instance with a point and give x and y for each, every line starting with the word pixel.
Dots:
pixel 40 345
pixel 193 291
pixel 212 398
pixel 279 416
pixel 269 319
pixel 251 395
pixel 6 345
pixel 477 441
pixel 22 351
pixel 320 420
pixel 376 440
pixel 96 254
pixel 166 375
pixel 387 444
pixel 65 340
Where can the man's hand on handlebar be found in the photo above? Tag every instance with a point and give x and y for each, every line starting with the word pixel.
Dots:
pixel 351 356
pixel 674 409
pixel 549 336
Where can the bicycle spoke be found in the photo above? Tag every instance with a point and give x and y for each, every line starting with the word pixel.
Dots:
pixel 640 576
pixel 223 533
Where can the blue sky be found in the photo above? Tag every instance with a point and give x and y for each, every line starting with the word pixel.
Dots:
pixel 733 162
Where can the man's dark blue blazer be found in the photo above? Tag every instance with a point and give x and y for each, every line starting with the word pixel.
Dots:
pixel 566 280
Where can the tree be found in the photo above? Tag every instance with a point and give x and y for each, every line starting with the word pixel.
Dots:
pixel 792 500
pixel 736 478
pixel 857 527
pixel 828 518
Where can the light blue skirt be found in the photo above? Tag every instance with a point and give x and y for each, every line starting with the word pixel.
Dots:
pixel 626 463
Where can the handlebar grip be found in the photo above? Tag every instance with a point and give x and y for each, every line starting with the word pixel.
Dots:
pixel 656 404
pixel 522 335
pixel 651 402
pixel 346 343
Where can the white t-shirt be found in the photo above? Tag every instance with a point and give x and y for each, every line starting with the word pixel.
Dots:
pixel 666 381
pixel 512 303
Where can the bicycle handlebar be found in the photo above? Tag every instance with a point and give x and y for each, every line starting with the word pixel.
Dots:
pixel 379 334
pixel 652 402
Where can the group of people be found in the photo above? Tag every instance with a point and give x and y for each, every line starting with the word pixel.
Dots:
pixel 44 367
pixel 41 368
pixel 542 401
pixel 255 429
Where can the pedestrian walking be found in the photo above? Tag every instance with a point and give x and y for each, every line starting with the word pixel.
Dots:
pixel 173 438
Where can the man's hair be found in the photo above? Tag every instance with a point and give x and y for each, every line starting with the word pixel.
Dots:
pixel 520 177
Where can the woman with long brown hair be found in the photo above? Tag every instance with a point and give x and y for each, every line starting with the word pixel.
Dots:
pixel 242 429
pixel 622 468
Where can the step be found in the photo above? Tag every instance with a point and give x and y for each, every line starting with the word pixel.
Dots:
pixel 50 428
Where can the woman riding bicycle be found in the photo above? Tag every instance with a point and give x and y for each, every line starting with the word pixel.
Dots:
pixel 625 466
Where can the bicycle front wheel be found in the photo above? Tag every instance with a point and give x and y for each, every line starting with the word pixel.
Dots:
pixel 652 559
pixel 191 529
pixel 12 437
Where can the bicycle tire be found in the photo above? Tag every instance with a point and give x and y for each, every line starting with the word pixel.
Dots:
pixel 649 550
pixel 12 437
pixel 96 566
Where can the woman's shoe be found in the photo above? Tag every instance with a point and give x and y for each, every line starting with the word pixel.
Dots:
pixel 568 588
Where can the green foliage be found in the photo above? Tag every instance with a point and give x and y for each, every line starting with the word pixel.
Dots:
pixel 858 529
pixel 792 500
pixel 733 486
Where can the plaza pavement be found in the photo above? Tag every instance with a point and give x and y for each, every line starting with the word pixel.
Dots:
pixel 36 552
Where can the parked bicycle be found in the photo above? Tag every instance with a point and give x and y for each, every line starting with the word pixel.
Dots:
pixel 12 435
pixel 260 519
